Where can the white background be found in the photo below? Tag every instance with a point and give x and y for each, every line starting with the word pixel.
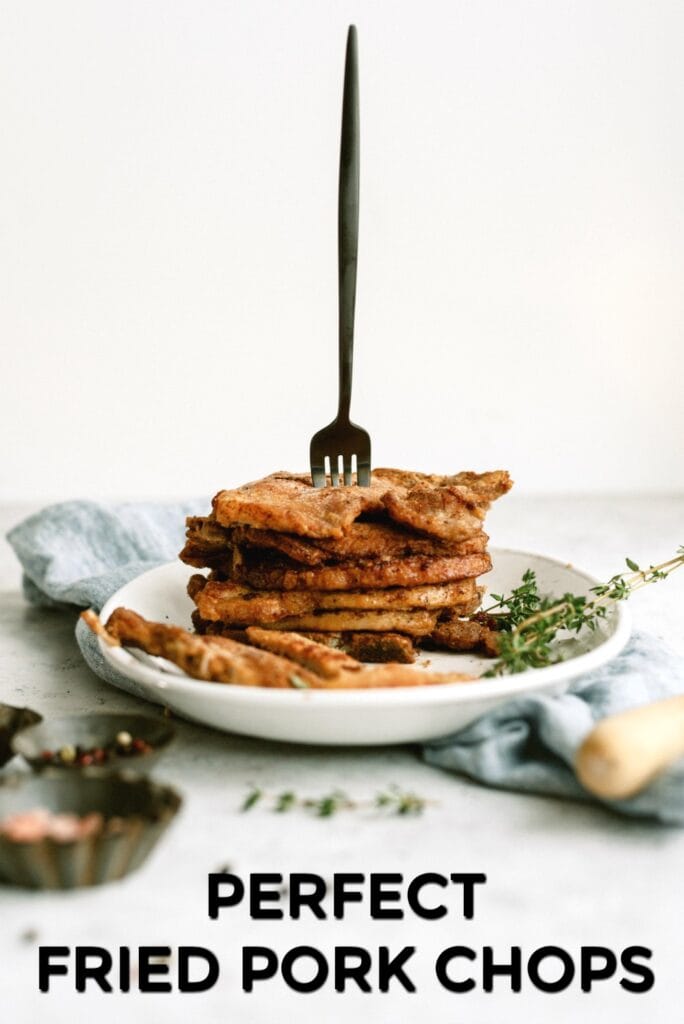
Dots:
pixel 168 241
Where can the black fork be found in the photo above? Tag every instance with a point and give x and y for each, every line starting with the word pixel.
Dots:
pixel 342 442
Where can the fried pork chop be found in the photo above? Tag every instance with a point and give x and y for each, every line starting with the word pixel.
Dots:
pixel 455 634
pixel 213 658
pixel 289 503
pixel 360 540
pixel 370 647
pixel 444 507
pixel 237 604
pixel 482 488
pixel 324 661
pixel 210 545
pixel 282 574
pixel 221 660
pixel 414 623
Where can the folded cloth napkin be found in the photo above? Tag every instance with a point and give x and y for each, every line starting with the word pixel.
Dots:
pixel 79 553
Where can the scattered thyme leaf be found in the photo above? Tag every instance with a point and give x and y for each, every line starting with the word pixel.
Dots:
pixel 255 794
pixel 397 801
pixel 328 805
pixel 393 800
pixel 284 801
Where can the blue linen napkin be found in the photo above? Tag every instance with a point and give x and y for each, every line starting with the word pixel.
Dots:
pixel 79 553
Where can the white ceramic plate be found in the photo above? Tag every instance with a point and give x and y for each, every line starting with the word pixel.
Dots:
pixel 349 717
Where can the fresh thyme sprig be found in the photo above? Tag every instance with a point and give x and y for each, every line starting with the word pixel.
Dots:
pixel 393 801
pixel 525 639
pixel 522 602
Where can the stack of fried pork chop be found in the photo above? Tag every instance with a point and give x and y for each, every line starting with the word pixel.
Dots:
pixel 373 571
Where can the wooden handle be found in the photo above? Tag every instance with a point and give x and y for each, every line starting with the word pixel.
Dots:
pixel 626 752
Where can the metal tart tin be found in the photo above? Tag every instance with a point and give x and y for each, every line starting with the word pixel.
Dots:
pixel 136 810
pixel 11 721
pixel 93 730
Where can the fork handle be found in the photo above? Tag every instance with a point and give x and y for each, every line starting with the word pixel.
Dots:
pixel 348 222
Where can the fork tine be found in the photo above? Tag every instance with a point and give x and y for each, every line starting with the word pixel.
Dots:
pixel 363 473
pixel 347 462
pixel 318 475
pixel 317 463
pixel 334 478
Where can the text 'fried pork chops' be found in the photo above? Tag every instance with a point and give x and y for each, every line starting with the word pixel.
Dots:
pixel 281 574
pixel 218 659
pixel 237 604
pixel 288 503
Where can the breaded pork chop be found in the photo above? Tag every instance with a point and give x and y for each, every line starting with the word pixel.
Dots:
pixel 238 604
pixel 360 540
pixel 413 623
pixel 213 658
pixel 371 647
pixel 455 634
pixel 282 574
pixel 289 503
pixel 483 488
pixel 450 511
pixel 218 659
pixel 323 660
pixel 449 507
pixel 209 545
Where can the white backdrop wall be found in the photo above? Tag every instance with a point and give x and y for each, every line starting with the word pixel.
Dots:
pixel 168 240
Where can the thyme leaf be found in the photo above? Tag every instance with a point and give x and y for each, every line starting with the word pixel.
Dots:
pixel 390 801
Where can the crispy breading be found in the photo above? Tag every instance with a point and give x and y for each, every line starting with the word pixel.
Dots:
pixel 210 545
pixel 484 488
pixel 289 503
pixel 207 544
pixel 323 660
pixel 299 549
pixel 451 508
pixel 360 540
pixel 218 659
pixel 370 647
pixel 205 627
pixel 391 675
pixel 238 604
pixel 281 574
pixel 455 634
pixel 373 647
pixel 440 511
pixel 414 623
pixel 213 658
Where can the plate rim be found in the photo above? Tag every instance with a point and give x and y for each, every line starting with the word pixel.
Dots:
pixel 445 693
